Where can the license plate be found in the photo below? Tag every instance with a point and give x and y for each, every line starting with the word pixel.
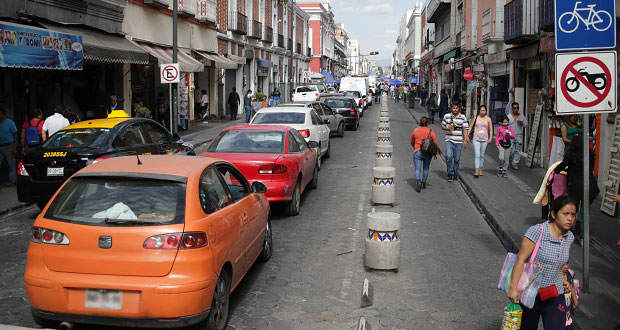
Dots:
pixel 104 299
pixel 55 171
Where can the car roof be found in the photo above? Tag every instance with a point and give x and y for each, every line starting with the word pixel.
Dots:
pixel 98 123
pixel 341 98
pixel 286 109
pixel 155 165
pixel 296 104
pixel 258 127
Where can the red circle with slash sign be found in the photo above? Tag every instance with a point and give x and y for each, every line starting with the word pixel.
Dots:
pixel 571 68
pixel 170 73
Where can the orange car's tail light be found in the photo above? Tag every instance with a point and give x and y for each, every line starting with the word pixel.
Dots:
pixel 272 169
pixel 305 133
pixel 21 169
pixel 48 236
pixel 176 240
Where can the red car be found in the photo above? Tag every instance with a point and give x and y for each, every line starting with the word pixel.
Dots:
pixel 277 156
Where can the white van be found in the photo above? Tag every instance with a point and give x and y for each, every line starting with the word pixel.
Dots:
pixel 356 84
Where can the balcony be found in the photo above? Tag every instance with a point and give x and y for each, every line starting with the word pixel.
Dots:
pixel 158 3
pixel 493 25
pixel 289 44
pixel 268 35
pixel 237 22
pixel 298 48
pixel 206 11
pixel 280 41
pixel 435 9
pixel 257 30
pixel 187 8
pixel 547 18
pixel 520 21
pixel 309 52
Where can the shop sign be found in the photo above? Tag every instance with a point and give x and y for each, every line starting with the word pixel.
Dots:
pixel 472 84
pixel 23 46
pixel 262 71
pixel 479 75
pixel 468 75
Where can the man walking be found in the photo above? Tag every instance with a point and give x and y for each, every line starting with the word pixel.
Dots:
pixel 204 105
pixel 113 104
pixel 247 105
pixel 8 145
pixel 233 103
pixel 518 123
pixel 275 97
pixel 443 103
pixel 55 122
pixel 456 126
pixel 32 131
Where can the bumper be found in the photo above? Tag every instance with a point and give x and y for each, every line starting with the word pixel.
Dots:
pixel 350 121
pixel 279 191
pixel 29 190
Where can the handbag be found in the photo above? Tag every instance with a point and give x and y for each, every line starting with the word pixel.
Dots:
pixel 505 143
pixel 428 146
pixel 551 291
pixel 472 129
pixel 528 283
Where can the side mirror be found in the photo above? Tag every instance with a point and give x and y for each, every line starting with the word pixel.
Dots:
pixel 176 136
pixel 313 144
pixel 326 121
pixel 259 187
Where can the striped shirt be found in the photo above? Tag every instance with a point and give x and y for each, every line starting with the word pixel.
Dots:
pixel 552 254
pixel 460 125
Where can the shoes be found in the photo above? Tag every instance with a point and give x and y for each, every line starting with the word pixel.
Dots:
pixel 480 171
pixel 450 179
pixel 476 173
pixel 423 185
pixel 515 167
pixel 418 186
pixel 500 172
pixel 504 174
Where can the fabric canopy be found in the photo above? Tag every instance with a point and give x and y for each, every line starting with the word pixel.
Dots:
pixel 164 56
pixel 396 82
pixel 414 79
pixel 220 61
pixel 329 79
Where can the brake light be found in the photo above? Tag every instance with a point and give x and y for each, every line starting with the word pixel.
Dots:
pixel 317 96
pixel 272 169
pixel 305 133
pixel 352 112
pixel 360 103
pixel 21 169
pixel 48 236
pixel 183 241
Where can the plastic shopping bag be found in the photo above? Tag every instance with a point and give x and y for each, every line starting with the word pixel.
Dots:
pixel 512 317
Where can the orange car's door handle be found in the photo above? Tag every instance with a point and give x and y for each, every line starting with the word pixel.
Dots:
pixel 245 218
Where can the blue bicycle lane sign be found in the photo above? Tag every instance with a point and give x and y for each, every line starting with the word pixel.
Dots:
pixel 585 25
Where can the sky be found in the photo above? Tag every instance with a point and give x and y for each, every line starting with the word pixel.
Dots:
pixel 374 23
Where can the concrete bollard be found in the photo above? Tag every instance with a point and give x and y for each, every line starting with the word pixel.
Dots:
pixel 382 241
pixel 383 188
pixel 384 127
pixel 384 113
pixel 384 119
pixel 383 137
pixel 384 155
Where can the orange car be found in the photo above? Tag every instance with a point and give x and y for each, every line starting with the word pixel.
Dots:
pixel 155 242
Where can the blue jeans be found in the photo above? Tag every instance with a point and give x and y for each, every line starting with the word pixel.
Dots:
pixel 248 112
pixel 516 147
pixel 431 114
pixel 421 161
pixel 479 148
pixel 453 156
pixel 6 154
pixel 442 112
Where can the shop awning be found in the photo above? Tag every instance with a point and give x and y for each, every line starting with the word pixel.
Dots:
pixel 104 47
pixel 237 59
pixel 437 60
pixel 220 61
pixel 525 52
pixel 451 54
pixel 265 63
pixel 23 46
pixel 164 56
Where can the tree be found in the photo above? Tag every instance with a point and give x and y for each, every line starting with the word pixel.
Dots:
pixel 380 71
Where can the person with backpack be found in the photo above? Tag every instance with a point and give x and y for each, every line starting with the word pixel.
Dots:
pixel 503 142
pixel 422 158
pixel 163 107
pixel 32 131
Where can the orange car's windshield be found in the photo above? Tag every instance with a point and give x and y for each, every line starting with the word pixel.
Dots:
pixel 119 201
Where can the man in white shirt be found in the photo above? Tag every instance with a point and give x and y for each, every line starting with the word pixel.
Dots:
pixel 55 122
pixel 113 104
pixel 204 104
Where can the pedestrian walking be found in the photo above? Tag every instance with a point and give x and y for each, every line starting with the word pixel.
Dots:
pixel 377 95
pixel 568 130
pixel 233 103
pixel 455 124
pixel 247 105
pixel 55 122
pixel 553 253
pixel 443 103
pixel 113 104
pixel 197 97
pixel 71 116
pixel 8 145
pixel 481 135
pixel 396 95
pixel 423 96
pixel 163 108
pixel 275 97
pixel 431 107
pixel 518 123
pixel 32 131
pixel 503 141
pixel 204 105
pixel 421 160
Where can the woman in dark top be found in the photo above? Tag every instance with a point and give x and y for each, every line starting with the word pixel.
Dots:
pixel 431 107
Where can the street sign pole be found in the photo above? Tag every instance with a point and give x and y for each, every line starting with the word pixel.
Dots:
pixel 585 204
pixel 173 91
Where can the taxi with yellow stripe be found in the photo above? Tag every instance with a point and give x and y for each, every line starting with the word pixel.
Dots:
pixel 44 169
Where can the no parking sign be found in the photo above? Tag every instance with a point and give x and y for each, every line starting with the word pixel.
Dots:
pixel 586 82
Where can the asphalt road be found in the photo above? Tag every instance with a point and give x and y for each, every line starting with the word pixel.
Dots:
pixel 449 266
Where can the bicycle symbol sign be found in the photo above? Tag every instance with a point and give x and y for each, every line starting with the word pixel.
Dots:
pixel 585 24
pixel 586 82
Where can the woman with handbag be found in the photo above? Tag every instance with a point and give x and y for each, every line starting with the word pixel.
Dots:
pixel 481 133
pixel 555 240
pixel 421 158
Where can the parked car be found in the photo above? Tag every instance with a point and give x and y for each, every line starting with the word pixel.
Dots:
pixel 305 120
pixel 325 96
pixel 357 83
pixel 306 93
pixel 156 242
pixel 277 156
pixel 331 89
pixel 335 121
pixel 346 107
pixel 44 169
pixel 358 100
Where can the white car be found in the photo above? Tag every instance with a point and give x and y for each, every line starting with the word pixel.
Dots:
pixel 358 97
pixel 306 93
pixel 305 120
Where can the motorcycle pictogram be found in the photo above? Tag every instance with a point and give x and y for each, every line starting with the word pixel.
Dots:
pixel 598 80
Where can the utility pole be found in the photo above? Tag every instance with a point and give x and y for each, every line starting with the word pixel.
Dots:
pixel 291 71
pixel 173 92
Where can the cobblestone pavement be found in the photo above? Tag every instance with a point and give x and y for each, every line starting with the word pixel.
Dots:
pixel 450 258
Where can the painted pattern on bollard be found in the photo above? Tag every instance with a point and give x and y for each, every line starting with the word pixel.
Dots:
pixel 383 187
pixel 383 127
pixel 384 155
pixel 384 137
pixel 382 242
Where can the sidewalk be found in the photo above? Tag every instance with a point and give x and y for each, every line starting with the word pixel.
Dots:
pixel 507 206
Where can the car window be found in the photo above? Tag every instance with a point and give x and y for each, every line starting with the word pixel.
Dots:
pixel 316 120
pixel 76 138
pixel 339 103
pixel 211 191
pixel 293 146
pixel 353 94
pixel 305 89
pixel 279 118
pixel 236 183
pixel 155 134
pixel 248 141
pixel 327 110
pixel 301 142
pixel 317 108
pixel 131 135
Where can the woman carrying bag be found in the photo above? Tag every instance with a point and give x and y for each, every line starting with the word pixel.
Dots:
pixel 421 159
pixel 481 133
pixel 553 253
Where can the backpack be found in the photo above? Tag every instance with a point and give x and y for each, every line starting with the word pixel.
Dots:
pixel 428 146
pixel 161 107
pixel 33 137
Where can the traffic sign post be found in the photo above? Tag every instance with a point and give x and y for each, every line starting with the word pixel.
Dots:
pixel 169 73
pixel 585 25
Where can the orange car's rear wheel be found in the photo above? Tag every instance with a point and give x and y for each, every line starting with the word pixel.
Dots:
pixel 218 316
pixel 45 323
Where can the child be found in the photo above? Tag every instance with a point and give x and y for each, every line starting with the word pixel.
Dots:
pixel 503 141
pixel 571 294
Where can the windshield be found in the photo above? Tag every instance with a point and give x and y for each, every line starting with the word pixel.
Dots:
pixel 279 118
pixel 336 103
pixel 248 141
pixel 105 201
pixel 76 138
pixel 305 89
pixel 353 94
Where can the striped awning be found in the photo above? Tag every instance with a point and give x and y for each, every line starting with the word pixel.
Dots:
pixel 164 56
pixel 220 61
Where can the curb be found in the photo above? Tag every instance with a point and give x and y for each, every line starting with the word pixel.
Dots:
pixel 15 208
